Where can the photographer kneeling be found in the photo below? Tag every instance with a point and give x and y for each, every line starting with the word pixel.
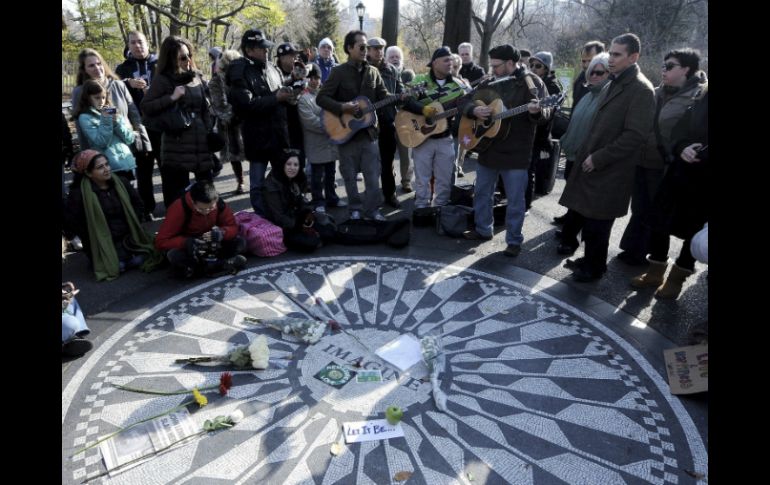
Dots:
pixel 200 234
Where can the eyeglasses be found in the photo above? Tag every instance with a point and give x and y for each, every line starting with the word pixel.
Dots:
pixel 495 66
pixel 598 73
pixel 670 65
pixel 362 47
pixel 536 66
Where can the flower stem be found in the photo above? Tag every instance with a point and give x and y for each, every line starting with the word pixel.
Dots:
pixel 165 393
pixel 184 404
pixel 143 457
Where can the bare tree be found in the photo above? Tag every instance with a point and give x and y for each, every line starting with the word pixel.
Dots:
pixel 496 10
pixel 457 23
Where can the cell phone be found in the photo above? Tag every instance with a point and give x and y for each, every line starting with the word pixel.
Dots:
pixel 110 110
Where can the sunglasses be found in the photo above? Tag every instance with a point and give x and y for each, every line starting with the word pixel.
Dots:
pixel 536 66
pixel 362 48
pixel 670 65
pixel 598 73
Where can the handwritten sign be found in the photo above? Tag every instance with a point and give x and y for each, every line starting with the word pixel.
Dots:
pixel 688 369
pixel 378 429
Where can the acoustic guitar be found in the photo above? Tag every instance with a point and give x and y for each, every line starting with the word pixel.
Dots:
pixel 340 129
pixel 412 129
pixel 477 135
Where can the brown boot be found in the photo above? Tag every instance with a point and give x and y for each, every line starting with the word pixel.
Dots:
pixel 653 276
pixel 673 286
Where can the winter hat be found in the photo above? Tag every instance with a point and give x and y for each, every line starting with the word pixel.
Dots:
pixel 286 48
pixel 326 41
pixel 505 52
pixel 545 57
pixel 83 159
pixel 215 52
pixel 438 54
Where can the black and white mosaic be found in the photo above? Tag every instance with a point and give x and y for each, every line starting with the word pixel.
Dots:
pixel 538 392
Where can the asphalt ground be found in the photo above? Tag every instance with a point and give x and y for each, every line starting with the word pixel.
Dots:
pixel 632 323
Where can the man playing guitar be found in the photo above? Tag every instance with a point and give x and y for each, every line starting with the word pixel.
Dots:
pixel 361 152
pixel 507 156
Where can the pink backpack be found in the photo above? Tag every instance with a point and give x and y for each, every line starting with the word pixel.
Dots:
pixel 263 238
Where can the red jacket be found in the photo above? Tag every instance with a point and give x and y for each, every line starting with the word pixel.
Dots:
pixel 172 234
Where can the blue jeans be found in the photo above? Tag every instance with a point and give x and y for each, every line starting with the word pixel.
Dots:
pixel 73 322
pixel 257 171
pixel 515 182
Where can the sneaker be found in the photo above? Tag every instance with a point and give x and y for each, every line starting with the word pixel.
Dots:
pixel 355 215
pixel 512 250
pixel 235 264
pixel 320 209
pixel 76 347
pixel 473 235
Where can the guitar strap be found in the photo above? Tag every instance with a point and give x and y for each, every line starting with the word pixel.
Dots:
pixel 531 85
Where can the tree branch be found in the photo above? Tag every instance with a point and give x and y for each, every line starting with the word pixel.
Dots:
pixel 203 22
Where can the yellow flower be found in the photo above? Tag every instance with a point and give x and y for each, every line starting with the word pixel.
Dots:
pixel 200 398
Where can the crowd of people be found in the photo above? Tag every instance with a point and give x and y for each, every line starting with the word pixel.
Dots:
pixel 626 142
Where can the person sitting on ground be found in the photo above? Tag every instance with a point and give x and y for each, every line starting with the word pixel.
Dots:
pixel 105 130
pixel 200 234
pixel 73 323
pixel 286 207
pixel 102 210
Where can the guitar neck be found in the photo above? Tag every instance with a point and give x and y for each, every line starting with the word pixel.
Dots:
pixel 384 102
pixel 510 112
pixel 446 114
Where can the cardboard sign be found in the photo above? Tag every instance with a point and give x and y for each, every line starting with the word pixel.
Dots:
pixel 378 429
pixel 688 369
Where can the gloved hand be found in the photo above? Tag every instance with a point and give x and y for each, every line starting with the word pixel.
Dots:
pixel 217 234
pixel 429 111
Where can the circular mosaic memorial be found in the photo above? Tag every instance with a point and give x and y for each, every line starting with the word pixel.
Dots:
pixel 537 392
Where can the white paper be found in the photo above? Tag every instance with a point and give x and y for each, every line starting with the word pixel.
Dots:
pixel 378 429
pixel 146 439
pixel 403 352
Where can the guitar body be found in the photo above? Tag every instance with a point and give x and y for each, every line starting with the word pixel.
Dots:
pixel 471 132
pixel 413 129
pixel 340 129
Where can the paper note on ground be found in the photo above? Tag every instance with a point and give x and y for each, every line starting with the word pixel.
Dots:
pixel 378 429
pixel 403 352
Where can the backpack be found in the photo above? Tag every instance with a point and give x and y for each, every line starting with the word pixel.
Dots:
pixel 263 238
pixel 453 220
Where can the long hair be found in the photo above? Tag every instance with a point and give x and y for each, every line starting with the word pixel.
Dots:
pixel 169 52
pixel 279 172
pixel 82 74
pixel 90 88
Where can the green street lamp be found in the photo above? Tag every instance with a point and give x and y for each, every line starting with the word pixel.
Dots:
pixel 361 10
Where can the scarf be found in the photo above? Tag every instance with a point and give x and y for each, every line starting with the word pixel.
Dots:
pixel 104 254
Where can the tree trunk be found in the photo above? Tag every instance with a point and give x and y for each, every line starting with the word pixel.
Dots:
pixel 158 31
pixel 174 27
pixel 84 19
pixel 457 22
pixel 120 21
pixel 390 21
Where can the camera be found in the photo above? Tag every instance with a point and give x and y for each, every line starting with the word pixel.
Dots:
pixel 109 110
pixel 208 252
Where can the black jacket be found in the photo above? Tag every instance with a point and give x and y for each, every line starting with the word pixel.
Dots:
pixel 253 86
pixel 543 134
pixel 471 71
pixel 392 81
pixel 579 89
pixel 134 69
